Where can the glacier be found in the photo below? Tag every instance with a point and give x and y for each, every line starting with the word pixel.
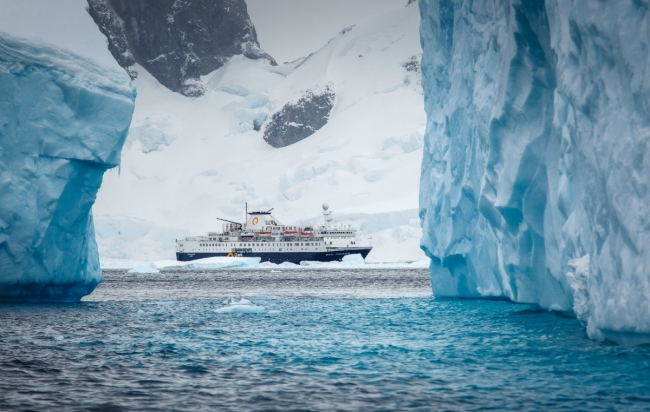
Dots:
pixel 63 120
pixel 364 159
pixel 535 173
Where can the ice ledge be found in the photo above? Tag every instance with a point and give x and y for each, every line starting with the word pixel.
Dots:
pixel 85 105
pixel 17 54
pixel 63 122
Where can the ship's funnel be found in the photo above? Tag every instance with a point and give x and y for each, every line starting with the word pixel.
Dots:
pixel 257 220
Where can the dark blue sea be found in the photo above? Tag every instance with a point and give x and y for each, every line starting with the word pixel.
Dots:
pixel 305 340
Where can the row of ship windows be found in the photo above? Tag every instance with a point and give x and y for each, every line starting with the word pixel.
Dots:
pixel 257 244
pixel 289 244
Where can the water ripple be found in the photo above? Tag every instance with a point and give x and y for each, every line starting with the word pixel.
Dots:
pixel 148 343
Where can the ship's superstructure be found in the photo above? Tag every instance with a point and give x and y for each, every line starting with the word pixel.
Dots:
pixel 266 237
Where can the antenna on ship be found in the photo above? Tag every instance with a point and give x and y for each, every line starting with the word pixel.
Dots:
pixel 246 215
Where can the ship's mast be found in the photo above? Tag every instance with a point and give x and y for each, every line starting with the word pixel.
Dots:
pixel 327 214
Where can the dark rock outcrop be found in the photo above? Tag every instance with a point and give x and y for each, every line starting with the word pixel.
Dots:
pixel 177 41
pixel 113 28
pixel 412 66
pixel 298 120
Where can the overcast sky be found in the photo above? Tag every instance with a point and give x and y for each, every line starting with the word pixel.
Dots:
pixel 290 29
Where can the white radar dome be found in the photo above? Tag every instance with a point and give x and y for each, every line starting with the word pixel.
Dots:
pixel 325 206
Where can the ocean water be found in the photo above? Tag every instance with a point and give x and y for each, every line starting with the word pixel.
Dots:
pixel 305 340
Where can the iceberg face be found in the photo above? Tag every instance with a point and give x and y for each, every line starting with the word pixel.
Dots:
pixel 63 121
pixel 535 174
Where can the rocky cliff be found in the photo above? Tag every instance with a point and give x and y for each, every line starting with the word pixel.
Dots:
pixel 177 41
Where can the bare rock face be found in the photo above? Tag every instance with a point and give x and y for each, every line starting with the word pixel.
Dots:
pixel 177 41
pixel 300 119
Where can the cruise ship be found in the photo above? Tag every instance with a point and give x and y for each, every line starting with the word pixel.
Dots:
pixel 266 237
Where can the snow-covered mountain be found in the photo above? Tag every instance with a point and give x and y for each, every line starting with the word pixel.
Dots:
pixel 176 42
pixel 343 125
pixel 535 174
pixel 65 107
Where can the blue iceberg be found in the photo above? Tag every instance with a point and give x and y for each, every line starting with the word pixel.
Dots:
pixel 536 171
pixel 63 121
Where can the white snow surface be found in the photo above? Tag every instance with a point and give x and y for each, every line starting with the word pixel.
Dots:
pixel 349 262
pixel 290 29
pixel 199 264
pixel 535 172
pixel 188 161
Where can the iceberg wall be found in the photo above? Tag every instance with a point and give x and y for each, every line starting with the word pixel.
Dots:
pixel 63 121
pixel 536 167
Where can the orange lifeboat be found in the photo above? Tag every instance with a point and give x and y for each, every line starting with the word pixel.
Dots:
pixel 290 231
pixel 265 231
pixel 307 231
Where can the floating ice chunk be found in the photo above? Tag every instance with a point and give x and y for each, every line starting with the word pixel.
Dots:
pixel 114 264
pixel 422 263
pixel 355 260
pixel 144 268
pixel 210 263
pixel 241 306
pixel 349 261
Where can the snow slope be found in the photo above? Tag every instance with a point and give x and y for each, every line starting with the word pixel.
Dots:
pixel 188 161
pixel 535 173
pixel 65 107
